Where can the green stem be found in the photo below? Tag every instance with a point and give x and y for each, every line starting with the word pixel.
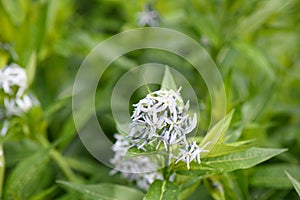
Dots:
pixel 60 160
pixel 2 168
pixel 166 172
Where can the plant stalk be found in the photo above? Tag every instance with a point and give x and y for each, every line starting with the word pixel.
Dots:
pixel 60 161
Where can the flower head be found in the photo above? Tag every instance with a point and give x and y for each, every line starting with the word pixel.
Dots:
pixel 13 76
pixel 191 152
pixel 13 82
pixel 161 117
pixel 160 120
pixel 11 108
pixel 18 106
pixel 148 17
pixel 26 102
pixel 140 169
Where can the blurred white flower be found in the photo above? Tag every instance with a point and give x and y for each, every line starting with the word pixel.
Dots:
pixel 13 82
pixel 19 105
pixel 11 108
pixel 148 17
pixel 26 102
pixel 140 169
pixel 191 152
pixel 4 128
pixel 13 75
pixel 161 117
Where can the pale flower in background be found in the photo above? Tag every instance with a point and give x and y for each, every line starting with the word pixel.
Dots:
pixel 26 102
pixel 148 17
pixel 13 82
pixel 11 108
pixel 13 75
pixel 4 128
pixel 18 106
pixel 140 169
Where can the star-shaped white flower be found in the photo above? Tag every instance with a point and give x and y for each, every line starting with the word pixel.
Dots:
pixel 190 153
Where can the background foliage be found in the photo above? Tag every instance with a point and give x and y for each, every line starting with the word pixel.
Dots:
pixel 255 45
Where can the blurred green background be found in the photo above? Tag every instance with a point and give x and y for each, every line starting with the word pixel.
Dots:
pixel 255 44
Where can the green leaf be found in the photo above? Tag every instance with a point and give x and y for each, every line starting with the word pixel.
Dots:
pixel 135 152
pixel 195 169
pixel 231 186
pixel 46 194
pixel 239 179
pixel 26 178
pixel 273 175
pixel 15 10
pixel 187 185
pixel 242 160
pixel 31 68
pixel 295 183
pixel 253 108
pixel 211 32
pixel 55 107
pixel 256 56
pixel 105 191
pixel 227 163
pixel 168 81
pixel 216 134
pixel 223 149
pixel 68 131
pixel 215 187
pixel 17 151
pixel 251 23
pixel 162 190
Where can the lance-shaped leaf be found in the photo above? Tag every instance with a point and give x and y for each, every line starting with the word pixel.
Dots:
pixel 162 190
pixel 295 183
pixel 224 149
pixel 31 67
pixel 273 176
pixel 216 134
pixel 27 177
pixel 104 191
pixel 15 10
pixel 187 185
pixel 168 81
pixel 230 162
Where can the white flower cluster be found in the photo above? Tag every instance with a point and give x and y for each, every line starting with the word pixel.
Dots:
pixel 148 17
pixel 159 121
pixel 13 76
pixel 161 117
pixel 13 83
pixel 190 152
pixel 140 169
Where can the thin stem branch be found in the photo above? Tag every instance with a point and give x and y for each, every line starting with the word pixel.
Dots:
pixel 166 172
pixel 2 168
pixel 60 160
